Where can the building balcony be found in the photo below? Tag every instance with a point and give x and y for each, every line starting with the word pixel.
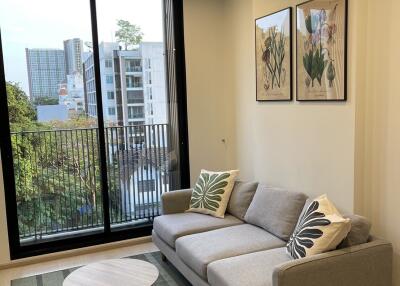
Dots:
pixel 58 181
pixel 133 69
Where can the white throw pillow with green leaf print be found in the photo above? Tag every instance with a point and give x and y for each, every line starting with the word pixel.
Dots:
pixel 212 192
pixel 320 229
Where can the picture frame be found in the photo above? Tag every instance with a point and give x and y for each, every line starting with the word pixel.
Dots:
pixel 273 56
pixel 321 50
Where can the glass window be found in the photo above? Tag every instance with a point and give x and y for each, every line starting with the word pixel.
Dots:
pixel 135 112
pixel 149 93
pixel 150 109
pixel 133 65
pixel 136 123
pixel 133 81
pixel 57 194
pixel 109 79
pixel 147 63
pixel 111 111
pixel 135 96
pixel 108 63
pixel 110 94
pixel 148 77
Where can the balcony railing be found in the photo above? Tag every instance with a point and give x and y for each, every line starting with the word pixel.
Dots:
pixel 133 69
pixel 57 174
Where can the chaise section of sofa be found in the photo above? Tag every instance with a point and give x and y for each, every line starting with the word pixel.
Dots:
pixel 366 264
pixel 230 251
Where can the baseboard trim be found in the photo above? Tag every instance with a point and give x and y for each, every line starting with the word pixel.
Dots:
pixel 74 252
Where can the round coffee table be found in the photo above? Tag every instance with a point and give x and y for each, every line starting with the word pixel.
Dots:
pixel 127 272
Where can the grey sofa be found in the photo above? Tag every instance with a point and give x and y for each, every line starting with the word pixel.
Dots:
pixel 232 251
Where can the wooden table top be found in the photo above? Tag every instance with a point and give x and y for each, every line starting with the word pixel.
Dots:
pixel 127 272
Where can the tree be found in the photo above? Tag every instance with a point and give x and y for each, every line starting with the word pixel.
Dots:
pixel 128 34
pixel 22 117
pixel 22 114
pixel 51 176
pixel 46 100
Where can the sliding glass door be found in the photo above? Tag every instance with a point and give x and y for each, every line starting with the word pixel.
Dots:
pixel 87 120
pixel 131 52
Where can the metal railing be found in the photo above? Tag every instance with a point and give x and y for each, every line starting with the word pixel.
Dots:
pixel 57 177
pixel 133 69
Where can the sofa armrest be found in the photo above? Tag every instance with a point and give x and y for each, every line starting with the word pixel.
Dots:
pixel 176 201
pixel 368 264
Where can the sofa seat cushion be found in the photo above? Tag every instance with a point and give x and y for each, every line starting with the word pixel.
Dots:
pixel 255 269
pixel 170 227
pixel 199 250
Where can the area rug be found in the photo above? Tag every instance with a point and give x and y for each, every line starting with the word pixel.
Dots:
pixel 169 276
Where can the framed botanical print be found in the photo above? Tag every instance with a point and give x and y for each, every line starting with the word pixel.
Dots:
pixel 321 50
pixel 274 56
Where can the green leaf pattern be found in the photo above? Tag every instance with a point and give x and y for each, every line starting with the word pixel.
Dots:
pixel 209 191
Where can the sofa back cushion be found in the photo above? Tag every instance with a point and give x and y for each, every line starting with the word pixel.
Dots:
pixel 276 210
pixel 359 232
pixel 241 197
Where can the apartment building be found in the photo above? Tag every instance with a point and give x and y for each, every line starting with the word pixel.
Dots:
pixel 73 49
pixel 46 71
pixel 133 84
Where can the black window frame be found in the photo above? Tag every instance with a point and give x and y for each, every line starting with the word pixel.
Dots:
pixel 172 9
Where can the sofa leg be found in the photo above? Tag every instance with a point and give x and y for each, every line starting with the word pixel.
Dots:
pixel 163 258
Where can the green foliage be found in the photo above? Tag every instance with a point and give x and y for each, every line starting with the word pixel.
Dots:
pixel 21 112
pixel 314 64
pixel 46 100
pixel 273 57
pixel 56 172
pixel 331 73
pixel 79 121
pixel 22 116
pixel 128 34
pixel 319 65
pixel 317 55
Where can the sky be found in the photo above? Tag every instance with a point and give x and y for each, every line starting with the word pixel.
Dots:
pixel 47 23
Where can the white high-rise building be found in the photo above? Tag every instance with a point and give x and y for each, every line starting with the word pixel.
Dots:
pixel 154 82
pixel 107 83
pixel 73 50
pixel 133 84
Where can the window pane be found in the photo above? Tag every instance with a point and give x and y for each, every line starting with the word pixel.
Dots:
pixel 138 134
pixel 135 96
pixel 134 81
pixel 51 101
pixel 133 65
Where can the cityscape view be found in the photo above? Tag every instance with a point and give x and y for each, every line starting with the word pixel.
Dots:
pixel 54 132
pixel 62 83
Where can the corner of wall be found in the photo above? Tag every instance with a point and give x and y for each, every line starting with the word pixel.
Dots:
pixel 4 246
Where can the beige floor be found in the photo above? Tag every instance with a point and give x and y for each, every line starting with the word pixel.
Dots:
pixel 7 275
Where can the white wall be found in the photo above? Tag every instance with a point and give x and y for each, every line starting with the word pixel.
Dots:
pixel 307 147
pixel 204 48
pixel 378 125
